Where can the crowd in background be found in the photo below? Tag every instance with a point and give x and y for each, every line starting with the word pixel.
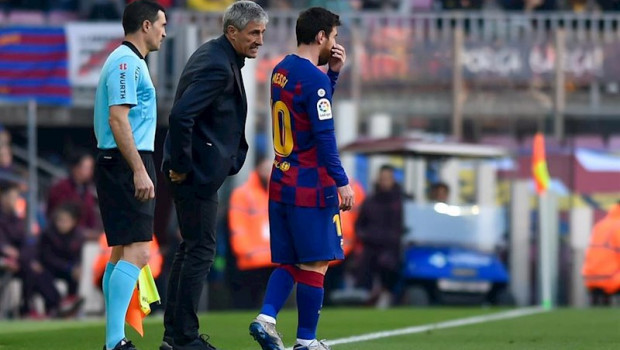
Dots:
pixel 51 249
pixel 48 256
pixel 112 9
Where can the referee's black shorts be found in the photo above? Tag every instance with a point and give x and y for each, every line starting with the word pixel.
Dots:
pixel 125 219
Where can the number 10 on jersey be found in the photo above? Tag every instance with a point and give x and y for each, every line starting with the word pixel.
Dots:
pixel 282 129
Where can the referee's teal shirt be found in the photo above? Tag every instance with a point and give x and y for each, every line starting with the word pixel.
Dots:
pixel 125 80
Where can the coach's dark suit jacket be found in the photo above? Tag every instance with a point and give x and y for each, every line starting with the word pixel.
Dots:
pixel 206 138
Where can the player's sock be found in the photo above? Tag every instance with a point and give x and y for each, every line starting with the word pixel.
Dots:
pixel 120 289
pixel 279 288
pixel 106 281
pixel 309 302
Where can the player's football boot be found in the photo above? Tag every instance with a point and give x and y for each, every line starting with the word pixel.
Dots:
pixel 266 335
pixel 314 345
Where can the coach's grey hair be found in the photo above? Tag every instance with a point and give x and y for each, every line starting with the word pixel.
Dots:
pixel 240 13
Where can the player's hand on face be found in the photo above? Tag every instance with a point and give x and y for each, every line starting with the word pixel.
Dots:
pixel 175 177
pixel 145 190
pixel 347 199
pixel 339 56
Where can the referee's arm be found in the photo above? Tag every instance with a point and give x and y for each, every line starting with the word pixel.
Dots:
pixel 119 123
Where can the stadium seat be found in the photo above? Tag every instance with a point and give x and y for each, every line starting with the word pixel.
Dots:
pixel 58 17
pixel 500 140
pixel 614 143
pixel 590 141
pixel 551 144
pixel 10 298
pixel 26 17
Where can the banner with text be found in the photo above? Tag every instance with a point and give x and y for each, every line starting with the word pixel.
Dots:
pixel 89 47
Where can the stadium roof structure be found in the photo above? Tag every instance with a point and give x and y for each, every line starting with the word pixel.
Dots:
pixel 424 146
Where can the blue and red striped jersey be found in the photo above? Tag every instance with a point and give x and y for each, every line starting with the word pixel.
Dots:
pixel 307 169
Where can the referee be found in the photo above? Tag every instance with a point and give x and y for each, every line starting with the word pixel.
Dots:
pixel 125 121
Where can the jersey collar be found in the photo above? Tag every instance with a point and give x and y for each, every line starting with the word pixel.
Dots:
pixel 133 48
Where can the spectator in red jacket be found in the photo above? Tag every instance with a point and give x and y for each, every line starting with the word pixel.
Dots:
pixel 78 189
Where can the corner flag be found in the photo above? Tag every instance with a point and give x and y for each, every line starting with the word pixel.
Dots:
pixel 539 164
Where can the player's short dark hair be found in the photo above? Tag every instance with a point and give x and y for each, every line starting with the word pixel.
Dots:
pixel 139 11
pixel 312 21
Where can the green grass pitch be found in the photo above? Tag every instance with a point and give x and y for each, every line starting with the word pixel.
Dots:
pixel 559 329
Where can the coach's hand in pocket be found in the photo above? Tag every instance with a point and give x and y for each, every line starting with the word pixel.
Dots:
pixel 177 178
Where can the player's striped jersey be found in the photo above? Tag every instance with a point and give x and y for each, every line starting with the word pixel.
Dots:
pixel 307 168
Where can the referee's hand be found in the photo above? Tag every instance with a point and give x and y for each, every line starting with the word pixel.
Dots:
pixel 145 190
pixel 346 197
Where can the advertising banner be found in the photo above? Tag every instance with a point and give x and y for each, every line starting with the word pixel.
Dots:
pixel 89 46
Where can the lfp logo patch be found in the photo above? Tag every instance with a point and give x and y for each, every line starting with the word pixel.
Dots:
pixel 324 109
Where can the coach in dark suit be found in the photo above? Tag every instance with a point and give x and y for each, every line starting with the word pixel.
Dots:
pixel 205 143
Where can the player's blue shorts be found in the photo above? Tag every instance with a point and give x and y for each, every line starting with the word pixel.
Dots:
pixel 301 234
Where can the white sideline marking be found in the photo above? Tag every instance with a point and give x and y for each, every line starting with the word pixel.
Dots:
pixel 440 325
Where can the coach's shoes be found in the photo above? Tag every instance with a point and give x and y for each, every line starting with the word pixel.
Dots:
pixel 266 335
pixel 314 345
pixel 166 344
pixel 200 343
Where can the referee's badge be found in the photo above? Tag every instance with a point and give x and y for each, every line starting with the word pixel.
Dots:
pixel 324 109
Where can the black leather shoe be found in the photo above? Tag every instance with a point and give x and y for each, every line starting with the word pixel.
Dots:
pixel 167 344
pixel 200 343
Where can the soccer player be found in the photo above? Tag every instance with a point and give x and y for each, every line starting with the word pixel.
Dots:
pixel 306 180
pixel 125 121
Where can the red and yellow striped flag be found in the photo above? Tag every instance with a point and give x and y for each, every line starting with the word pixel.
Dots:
pixel 539 164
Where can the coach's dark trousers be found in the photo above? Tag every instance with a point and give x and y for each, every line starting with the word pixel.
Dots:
pixel 191 264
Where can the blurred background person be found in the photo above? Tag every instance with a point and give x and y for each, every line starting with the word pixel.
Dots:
pixel 60 251
pixel 439 192
pixel 601 268
pixel 340 282
pixel 248 220
pixel 21 249
pixel 379 228
pixel 7 168
pixel 78 189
